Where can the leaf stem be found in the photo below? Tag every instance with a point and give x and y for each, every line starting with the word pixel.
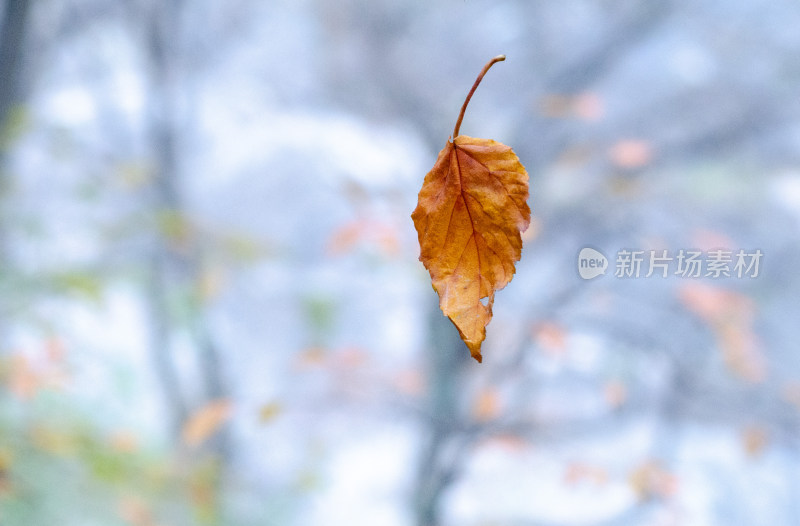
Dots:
pixel 498 58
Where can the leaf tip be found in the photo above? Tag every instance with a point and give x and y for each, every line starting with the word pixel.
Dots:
pixel 474 348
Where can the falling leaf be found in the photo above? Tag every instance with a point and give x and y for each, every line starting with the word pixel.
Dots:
pixel 206 422
pixel 471 210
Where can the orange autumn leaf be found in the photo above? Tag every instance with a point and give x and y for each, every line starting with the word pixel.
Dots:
pixel 471 210
pixel 205 422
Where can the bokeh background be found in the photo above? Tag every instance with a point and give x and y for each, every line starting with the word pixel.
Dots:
pixel 211 308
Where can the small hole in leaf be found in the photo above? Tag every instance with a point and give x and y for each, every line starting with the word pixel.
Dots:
pixel 485 301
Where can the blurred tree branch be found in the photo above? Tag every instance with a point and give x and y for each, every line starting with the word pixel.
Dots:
pixel 12 35
pixel 13 30
pixel 176 266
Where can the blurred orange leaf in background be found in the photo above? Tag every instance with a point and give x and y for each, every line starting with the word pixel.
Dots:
pixel 616 393
pixel 135 511
pixel 731 316
pixel 124 442
pixel 631 153
pixel 363 231
pixel 705 239
pixel 6 463
pixel 754 440
pixel 551 337
pixel 25 376
pixel 269 412
pixel 586 106
pixel 409 382
pixel 486 405
pixel 791 393
pixel 55 440
pixel 578 472
pixel 23 381
pixel 309 357
pixel 651 479
pixel 206 421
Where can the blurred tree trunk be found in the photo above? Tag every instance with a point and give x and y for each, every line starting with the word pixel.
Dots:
pixel 175 265
pixel 12 34
pixel 13 27
pixel 439 459
pixel 161 21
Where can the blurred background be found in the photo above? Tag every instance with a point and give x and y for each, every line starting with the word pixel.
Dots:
pixel 211 307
